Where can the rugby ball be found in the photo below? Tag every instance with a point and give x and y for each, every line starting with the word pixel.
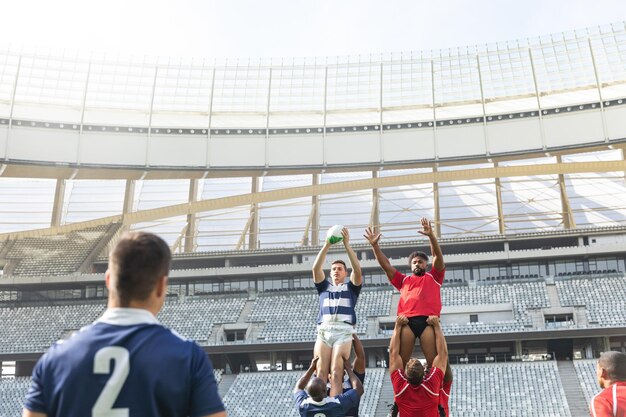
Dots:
pixel 334 234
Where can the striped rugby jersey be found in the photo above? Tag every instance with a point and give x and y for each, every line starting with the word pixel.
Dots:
pixel 337 302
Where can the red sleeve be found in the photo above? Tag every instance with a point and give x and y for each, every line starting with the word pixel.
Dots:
pixel 438 275
pixel 398 279
pixel 434 381
pixel 399 382
pixel 600 407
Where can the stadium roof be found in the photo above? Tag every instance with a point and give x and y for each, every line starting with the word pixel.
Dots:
pixel 204 208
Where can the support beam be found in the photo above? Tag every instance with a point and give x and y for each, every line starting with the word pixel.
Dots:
pixel 310 236
pixel 190 232
pixel 244 233
pixel 623 160
pixel 129 201
pixel 437 206
pixel 331 188
pixel 501 226
pixel 315 214
pixel 566 209
pixel 57 207
pixel 375 214
pixel 253 235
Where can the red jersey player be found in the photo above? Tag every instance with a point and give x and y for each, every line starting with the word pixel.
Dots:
pixel 420 293
pixel 417 392
pixel 611 372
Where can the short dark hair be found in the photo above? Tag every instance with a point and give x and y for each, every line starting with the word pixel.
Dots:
pixel 316 388
pixel 419 255
pixel 138 261
pixel 414 371
pixel 339 261
pixel 615 365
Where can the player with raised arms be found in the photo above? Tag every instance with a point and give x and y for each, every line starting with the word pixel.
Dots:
pixel 420 294
pixel 417 392
pixel 311 397
pixel 337 316
pixel 126 364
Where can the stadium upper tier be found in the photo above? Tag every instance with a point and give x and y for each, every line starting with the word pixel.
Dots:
pixel 549 92
pixel 509 309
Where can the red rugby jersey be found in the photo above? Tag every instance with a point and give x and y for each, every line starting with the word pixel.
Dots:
pixel 610 402
pixel 421 400
pixel 419 296
pixel 444 397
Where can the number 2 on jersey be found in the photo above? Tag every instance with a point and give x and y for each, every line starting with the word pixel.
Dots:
pixel 102 365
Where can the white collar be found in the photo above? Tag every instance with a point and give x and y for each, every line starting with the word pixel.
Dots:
pixel 325 401
pixel 127 317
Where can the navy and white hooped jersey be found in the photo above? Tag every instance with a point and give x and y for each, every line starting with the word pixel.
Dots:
pixel 337 302
pixel 124 364
pixel 328 407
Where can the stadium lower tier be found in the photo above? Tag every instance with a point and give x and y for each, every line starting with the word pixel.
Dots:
pixel 523 389
pixel 269 317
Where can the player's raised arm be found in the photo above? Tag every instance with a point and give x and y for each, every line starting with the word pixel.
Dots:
pixel 301 384
pixel 356 277
pixel 318 270
pixel 395 360
pixel 384 263
pixel 355 382
pixel 435 250
pixel 441 360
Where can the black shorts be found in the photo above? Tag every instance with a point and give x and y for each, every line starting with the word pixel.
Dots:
pixel 418 325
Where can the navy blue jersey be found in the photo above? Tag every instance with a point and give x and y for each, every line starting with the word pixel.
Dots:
pixel 328 407
pixel 354 411
pixel 125 364
pixel 337 302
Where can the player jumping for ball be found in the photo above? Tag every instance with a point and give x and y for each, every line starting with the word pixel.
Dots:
pixel 420 293
pixel 337 316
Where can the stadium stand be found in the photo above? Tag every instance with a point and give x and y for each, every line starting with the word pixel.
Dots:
pixel 268 394
pixel 603 296
pixel 34 329
pixel 54 255
pixel 272 308
pixel 524 389
pixel 12 391
pixel 586 373
pixel 218 374
pixel 194 317
pixel 522 295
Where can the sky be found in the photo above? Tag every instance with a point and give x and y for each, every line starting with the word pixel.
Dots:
pixel 287 28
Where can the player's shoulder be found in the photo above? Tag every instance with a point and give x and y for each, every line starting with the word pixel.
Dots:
pixel 397 273
pixel 434 271
pixel 322 285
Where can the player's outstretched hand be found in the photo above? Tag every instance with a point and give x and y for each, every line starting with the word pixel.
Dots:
pixel 371 237
pixel 402 320
pixel 433 321
pixel 346 236
pixel 427 228
pixel 314 362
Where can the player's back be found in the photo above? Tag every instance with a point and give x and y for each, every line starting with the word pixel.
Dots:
pixel 127 366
